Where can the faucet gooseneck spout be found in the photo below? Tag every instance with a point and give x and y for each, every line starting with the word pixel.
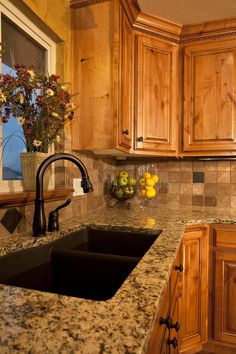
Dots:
pixel 39 221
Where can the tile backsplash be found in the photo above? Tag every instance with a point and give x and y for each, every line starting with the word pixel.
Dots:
pixel 181 183
pixel 195 183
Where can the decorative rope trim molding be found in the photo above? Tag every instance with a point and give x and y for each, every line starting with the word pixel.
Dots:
pixel 75 4
pixel 155 34
pixel 204 37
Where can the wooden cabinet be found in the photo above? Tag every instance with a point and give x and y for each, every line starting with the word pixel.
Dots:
pixel 209 98
pixel 194 299
pixel 103 71
pixel 164 337
pixel 156 96
pixel 224 283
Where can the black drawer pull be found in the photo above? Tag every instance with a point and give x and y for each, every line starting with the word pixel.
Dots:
pixel 125 132
pixel 140 138
pixel 180 268
pixel 173 342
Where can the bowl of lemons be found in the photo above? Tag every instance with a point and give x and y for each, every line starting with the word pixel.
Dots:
pixel 147 184
pixel 123 187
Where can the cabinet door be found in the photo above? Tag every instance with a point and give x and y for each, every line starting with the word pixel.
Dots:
pixel 194 299
pixel 209 97
pixel 156 96
pixel 125 109
pixel 225 296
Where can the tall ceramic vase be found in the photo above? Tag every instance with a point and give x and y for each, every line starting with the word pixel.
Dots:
pixel 30 162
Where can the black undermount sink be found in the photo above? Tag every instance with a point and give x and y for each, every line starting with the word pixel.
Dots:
pixel 89 263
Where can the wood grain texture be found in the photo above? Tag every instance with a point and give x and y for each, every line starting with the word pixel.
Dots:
pixel 194 301
pixel 156 94
pixel 209 96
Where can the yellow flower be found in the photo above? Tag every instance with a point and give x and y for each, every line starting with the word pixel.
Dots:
pixel 54 114
pixel 21 98
pixel 2 97
pixel 21 120
pixel 32 73
pixel 50 92
pixel 37 143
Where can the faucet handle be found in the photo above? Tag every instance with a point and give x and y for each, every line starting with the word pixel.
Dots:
pixel 53 223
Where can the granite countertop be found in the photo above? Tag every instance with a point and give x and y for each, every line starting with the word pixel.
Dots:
pixel 40 322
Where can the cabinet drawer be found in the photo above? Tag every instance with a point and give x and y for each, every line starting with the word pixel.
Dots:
pixel 225 236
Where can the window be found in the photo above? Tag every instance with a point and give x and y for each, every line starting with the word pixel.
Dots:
pixel 22 43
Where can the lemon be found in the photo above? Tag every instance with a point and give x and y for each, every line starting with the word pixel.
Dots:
pixel 143 192
pixel 151 193
pixel 150 182
pixel 155 178
pixel 150 222
pixel 148 188
pixel 147 175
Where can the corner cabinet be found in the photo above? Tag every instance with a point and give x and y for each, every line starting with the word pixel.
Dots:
pixel 209 98
pixel 156 95
pixel 103 68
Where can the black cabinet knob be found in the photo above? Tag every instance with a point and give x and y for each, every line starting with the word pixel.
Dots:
pixel 180 268
pixel 125 132
pixel 176 326
pixel 166 321
pixel 140 138
pixel 173 342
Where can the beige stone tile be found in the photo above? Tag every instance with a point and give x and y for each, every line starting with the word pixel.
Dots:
pixel 3 231
pixel 186 166
pixel 233 201
pixel 233 177
pixel 174 188
pixel 232 166
pixel 162 166
pixel 223 177
pixel 186 176
pixel 174 165
pixel 162 199
pixel 211 176
pixel 211 189
pixel 211 166
pixel 173 200
pixel 186 199
pixel 198 166
pixel 233 188
pixel 224 201
pixel 223 165
pixel 223 189
pixel 174 177
pixel 185 188
pixel 198 188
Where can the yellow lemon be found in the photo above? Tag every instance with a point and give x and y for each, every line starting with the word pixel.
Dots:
pixel 148 188
pixel 143 192
pixel 155 178
pixel 151 193
pixel 150 222
pixel 150 182
pixel 147 175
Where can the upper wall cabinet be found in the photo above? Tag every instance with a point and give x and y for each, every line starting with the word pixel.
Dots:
pixel 103 72
pixel 156 95
pixel 210 98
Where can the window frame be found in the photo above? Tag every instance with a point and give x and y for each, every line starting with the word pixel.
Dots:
pixel 21 20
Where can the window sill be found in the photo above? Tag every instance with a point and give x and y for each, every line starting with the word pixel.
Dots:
pixel 8 200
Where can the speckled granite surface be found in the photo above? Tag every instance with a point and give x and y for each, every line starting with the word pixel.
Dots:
pixel 39 322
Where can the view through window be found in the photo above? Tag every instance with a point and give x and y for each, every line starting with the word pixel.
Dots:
pixel 18 48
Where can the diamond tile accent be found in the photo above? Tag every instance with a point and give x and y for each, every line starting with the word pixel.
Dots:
pixel 11 219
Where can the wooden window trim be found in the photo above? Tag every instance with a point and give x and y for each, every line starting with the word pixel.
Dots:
pixel 8 200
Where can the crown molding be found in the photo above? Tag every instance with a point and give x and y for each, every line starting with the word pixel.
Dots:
pixel 74 4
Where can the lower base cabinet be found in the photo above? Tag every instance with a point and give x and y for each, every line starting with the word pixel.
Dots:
pixel 224 284
pixel 181 323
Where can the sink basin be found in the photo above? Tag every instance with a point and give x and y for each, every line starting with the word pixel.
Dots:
pixel 88 263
